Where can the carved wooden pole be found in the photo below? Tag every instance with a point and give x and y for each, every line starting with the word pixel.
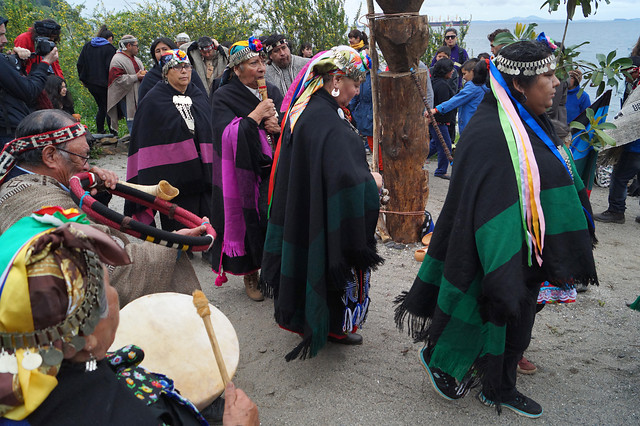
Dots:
pixel 403 129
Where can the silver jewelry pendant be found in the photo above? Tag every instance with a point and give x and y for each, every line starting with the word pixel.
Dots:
pixel 8 363
pixel 78 343
pixel 52 356
pixel 31 360
pixel 91 365
pixel 341 113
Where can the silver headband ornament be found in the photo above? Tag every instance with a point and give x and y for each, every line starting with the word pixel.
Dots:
pixel 511 67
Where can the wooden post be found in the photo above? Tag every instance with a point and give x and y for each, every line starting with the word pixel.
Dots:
pixel 405 146
pixel 403 129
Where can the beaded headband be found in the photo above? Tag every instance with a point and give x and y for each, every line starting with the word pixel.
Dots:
pixel 245 50
pixel 512 67
pixel 171 59
pixel 28 143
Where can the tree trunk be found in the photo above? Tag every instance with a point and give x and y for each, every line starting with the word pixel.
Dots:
pixel 405 146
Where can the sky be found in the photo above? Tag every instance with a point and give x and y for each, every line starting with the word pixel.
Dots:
pixel 481 10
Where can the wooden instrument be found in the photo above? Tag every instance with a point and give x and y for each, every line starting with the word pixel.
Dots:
pixel 262 89
pixel 163 189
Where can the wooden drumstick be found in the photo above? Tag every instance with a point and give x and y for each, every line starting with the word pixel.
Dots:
pixel 202 305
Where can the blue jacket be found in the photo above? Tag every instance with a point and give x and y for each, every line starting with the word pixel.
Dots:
pixel 466 100
pixel 361 107
pixel 576 105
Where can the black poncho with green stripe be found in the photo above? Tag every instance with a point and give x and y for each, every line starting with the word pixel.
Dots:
pixel 322 221
pixel 476 272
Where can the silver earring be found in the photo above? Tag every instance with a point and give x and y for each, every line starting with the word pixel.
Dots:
pixel 91 365
pixel 335 92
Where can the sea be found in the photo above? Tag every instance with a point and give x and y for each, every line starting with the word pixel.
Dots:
pixel 603 37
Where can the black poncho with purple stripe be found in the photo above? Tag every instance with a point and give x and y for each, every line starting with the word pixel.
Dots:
pixel 163 147
pixel 241 166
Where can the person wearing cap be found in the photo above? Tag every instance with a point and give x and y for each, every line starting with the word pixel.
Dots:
pixel 209 60
pixel 182 38
pixel 245 128
pixel 172 139
pixel 16 90
pixel 46 28
pixel 628 165
pixel 35 170
pixel 59 316
pixel 125 73
pixel 284 66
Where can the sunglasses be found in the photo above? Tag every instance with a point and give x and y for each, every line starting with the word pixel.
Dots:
pixel 449 37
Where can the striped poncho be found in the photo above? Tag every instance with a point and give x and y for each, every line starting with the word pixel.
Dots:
pixel 323 216
pixel 479 270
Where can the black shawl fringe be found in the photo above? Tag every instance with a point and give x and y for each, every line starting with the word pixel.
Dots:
pixel 301 351
pixel 417 327
pixel 266 288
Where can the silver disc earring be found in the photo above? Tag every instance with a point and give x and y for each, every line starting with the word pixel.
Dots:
pixel 335 92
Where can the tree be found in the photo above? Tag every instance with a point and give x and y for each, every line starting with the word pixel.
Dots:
pixel 322 23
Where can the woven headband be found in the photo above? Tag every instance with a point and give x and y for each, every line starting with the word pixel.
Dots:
pixel 269 47
pixel 28 143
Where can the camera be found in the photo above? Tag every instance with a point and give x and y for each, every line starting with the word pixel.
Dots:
pixel 43 46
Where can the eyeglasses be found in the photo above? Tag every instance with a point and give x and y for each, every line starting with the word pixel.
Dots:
pixel 450 37
pixel 181 67
pixel 77 155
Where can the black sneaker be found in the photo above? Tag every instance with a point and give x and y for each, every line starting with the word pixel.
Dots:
pixel 443 383
pixel 608 216
pixel 521 405
pixel 638 219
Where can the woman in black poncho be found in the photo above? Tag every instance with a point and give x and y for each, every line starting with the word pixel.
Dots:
pixel 245 128
pixel 514 217
pixel 172 140
pixel 320 245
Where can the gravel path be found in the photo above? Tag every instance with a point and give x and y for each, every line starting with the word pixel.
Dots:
pixel 587 353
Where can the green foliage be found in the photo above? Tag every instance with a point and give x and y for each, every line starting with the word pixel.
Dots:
pixel 149 20
pixel 521 32
pixel 594 134
pixel 572 5
pixel 323 23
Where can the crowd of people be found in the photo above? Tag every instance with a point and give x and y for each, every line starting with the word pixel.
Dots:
pixel 269 146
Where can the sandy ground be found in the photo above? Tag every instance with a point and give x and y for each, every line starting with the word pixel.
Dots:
pixel 587 353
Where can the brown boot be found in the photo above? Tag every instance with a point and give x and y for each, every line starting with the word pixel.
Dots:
pixel 251 287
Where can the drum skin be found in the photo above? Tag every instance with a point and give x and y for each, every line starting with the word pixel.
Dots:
pixel 175 343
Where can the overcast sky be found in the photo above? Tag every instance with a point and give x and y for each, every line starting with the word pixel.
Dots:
pixel 482 10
